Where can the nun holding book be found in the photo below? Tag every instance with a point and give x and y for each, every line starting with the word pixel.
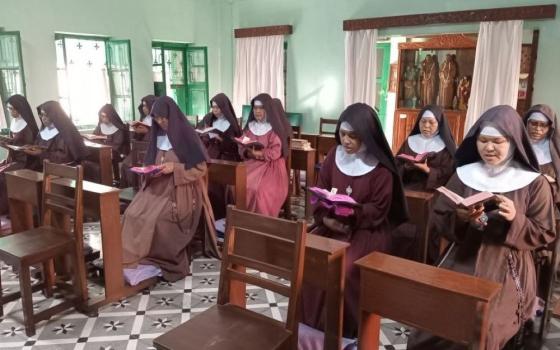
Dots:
pixel 425 160
pixel 496 156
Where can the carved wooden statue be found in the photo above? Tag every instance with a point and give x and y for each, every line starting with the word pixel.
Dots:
pixel 463 93
pixel 447 76
pixel 410 86
pixel 429 75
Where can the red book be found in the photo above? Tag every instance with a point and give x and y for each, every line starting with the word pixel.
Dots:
pixel 419 158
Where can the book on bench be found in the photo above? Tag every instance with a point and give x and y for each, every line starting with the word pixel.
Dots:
pixel 342 204
pixel 470 201
pixel 247 142
pixel 419 158
pixel 145 170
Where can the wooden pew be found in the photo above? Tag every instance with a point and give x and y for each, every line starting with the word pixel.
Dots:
pixel 425 297
pixel 102 155
pixel 419 207
pixel 100 202
pixel 305 160
pixel 230 173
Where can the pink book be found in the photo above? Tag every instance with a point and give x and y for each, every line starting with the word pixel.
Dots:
pixel 247 142
pixel 341 199
pixel 479 198
pixel 419 158
pixel 144 170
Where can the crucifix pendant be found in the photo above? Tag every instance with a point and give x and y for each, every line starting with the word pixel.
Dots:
pixel 348 190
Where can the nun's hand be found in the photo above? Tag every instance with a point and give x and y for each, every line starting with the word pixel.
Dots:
pixel 550 179
pixel 33 150
pixel 423 166
pixel 471 214
pixel 506 208
pixel 140 129
pixel 167 168
pixel 258 154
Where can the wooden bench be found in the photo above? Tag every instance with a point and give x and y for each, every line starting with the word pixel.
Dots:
pixel 419 206
pixel 102 155
pixel 304 160
pixel 100 202
pixel 226 172
pixel 446 303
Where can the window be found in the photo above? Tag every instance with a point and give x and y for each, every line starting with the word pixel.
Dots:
pixel 382 80
pixel 12 79
pixel 93 71
pixel 190 90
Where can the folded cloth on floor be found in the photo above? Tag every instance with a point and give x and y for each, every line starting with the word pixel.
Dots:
pixel 141 273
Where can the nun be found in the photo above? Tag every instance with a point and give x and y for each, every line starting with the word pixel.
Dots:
pixel 540 122
pixel 361 166
pixel 58 141
pixel 23 130
pixel 140 133
pixel 431 134
pixel 164 216
pixel 496 245
pixel 267 176
pixel 220 144
pixel 116 132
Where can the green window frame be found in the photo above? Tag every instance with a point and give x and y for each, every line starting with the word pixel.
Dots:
pixel 12 75
pixel 180 71
pixel 382 80
pixel 118 62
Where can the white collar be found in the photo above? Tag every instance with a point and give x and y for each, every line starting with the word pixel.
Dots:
pixel 148 120
pixel 163 143
pixel 510 178
pixel 421 144
pixel 259 128
pixel 356 164
pixel 48 133
pixel 221 123
pixel 542 150
pixel 17 124
pixel 108 129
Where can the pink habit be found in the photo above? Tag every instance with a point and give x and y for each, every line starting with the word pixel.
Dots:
pixel 267 179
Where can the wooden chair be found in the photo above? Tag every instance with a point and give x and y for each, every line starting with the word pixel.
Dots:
pixel 324 122
pixel 409 292
pixel 229 325
pixel 43 244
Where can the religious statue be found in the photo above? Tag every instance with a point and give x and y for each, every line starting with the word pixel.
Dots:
pixel 429 74
pixel 463 93
pixel 410 86
pixel 447 75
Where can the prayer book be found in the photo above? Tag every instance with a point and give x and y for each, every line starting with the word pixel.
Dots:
pixel 136 123
pixel 469 202
pixel 419 158
pixel 210 130
pixel 24 147
pixel 343 205
pixel 93 137
pixel 145 170
pixel 247 142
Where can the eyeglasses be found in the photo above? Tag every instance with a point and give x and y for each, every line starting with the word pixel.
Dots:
pixel 535 124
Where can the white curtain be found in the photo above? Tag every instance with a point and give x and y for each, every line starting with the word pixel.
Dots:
pixel 360 67
pixel 3 123
pixel 496 68
pixel 259 67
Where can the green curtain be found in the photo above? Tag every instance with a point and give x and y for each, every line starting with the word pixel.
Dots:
pixel 119 67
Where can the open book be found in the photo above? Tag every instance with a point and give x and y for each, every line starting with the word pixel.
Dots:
pixel 24 147
pixel 209 130
pixel 136 123
pixel 93 137
pixel 247 142
pixel 342 204
pixel 479 198
pixel 419 158
pixel 144 170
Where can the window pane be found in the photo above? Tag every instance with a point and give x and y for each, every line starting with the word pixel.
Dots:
pixel 120 73
pixel 11 76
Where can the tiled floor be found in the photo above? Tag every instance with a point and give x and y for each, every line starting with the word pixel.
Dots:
pixel 133 323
